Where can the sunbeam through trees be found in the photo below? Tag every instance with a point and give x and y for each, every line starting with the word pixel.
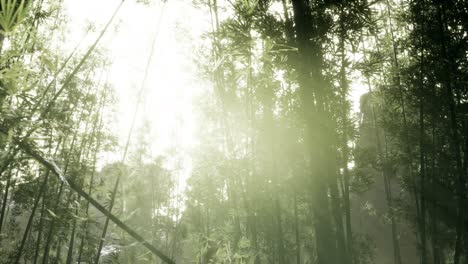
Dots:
pixel 234 131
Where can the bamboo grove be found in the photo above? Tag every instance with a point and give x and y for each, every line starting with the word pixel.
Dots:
pixel 286 170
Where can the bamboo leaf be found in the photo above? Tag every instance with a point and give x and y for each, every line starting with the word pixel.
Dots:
pixel 51 213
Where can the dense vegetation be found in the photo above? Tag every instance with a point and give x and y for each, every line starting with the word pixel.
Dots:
pixel 284 171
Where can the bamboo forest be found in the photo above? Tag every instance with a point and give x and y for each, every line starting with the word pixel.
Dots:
pixel 234 131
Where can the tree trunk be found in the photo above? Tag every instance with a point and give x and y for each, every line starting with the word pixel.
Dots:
pixel 312 93
pixel 31 217
pixel 5 200
pixel 39 232
pixel 455 137
pixel 296 231
pixel 422 164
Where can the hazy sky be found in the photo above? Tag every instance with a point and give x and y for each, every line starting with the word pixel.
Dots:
pixel 171 84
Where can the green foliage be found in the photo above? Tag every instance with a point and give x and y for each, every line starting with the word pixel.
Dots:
pixel 12 12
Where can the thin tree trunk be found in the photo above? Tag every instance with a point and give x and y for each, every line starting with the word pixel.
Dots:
pixel 106 223
pixel 397 82
pixel 422 161
pixel 31 217
pixel 97 127
pixel 344 90
pixel 83 146
pixel 5 200
pixel 39 232
pixel 72 239
pixel 386 176
pixel 58 198
pixel 59 195
pixel 296 231
pixel 281 255
pixel 433 206
pixel 455 138
pixel 58 258
pixel 45 257
pixel 391 209
pixel 337 214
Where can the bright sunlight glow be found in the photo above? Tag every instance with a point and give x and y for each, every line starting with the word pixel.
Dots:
pixel 166 105
pixel 166 112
